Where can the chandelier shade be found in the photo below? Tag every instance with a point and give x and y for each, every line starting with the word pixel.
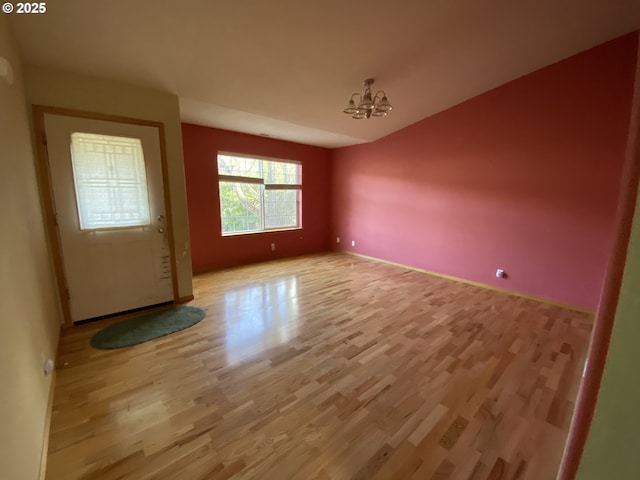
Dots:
pixel 368 105
pixel 351 108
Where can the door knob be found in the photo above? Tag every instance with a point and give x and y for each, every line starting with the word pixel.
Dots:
pixel 161 218
pixel 161 229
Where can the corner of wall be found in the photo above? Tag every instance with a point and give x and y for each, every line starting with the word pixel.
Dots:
pixel 29 310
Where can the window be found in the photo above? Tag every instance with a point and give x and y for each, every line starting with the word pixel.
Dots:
pixel 110 181
pixel 258 194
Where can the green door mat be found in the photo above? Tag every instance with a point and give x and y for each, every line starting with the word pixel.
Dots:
pixel 143 328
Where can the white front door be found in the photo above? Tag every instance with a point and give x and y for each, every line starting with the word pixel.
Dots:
pixel 109 204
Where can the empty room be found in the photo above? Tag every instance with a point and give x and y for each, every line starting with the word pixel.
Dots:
pixel 320 240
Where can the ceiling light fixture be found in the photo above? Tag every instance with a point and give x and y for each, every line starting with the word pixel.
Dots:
pixel 368 105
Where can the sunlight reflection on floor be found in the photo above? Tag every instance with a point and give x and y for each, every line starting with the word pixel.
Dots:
pixel 259 317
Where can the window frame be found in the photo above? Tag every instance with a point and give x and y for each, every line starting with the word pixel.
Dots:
pixel 263 187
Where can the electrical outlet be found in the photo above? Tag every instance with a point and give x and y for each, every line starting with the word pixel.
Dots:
pixel 353 243
pixel 48 367
pixel 337 239
pixel 47 364
pixel 273 247
pixel 500 273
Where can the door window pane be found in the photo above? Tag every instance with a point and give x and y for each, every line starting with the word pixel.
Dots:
pixel 110 181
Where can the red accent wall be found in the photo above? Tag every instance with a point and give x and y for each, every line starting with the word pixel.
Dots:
pixel 525 178
pixel 209 249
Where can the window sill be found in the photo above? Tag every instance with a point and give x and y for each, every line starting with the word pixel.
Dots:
pixel 261 232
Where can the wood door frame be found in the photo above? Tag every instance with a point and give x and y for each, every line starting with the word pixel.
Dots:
pixel 48 204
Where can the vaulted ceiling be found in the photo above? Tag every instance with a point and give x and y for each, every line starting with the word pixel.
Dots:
pixel 286 68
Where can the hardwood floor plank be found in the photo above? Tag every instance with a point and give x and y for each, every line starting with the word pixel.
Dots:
pixel 326 367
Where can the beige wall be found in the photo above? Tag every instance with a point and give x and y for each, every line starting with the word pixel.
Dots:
pixel 29 311
pixel 68 90
pixel 612 449
pixel 613 446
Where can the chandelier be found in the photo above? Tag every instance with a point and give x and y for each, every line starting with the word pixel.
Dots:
pixel 368 105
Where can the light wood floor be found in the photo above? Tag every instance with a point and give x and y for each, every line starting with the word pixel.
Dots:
pixel 326 367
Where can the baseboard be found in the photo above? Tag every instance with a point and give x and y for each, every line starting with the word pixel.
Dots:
pixel 185 299
pixel 475 284
pixel 47 428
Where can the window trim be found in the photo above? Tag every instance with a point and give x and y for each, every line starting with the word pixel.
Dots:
pixel 265 186
pixel 239 179
pixel 257 157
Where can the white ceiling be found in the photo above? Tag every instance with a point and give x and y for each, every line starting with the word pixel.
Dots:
pixel 286 68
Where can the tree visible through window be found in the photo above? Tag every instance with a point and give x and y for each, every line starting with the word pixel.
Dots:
pixel 258 194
